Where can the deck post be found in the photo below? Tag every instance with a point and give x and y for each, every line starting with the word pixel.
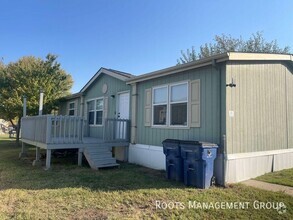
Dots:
pixel 48 159
pixel 37 161
pixel 41 102
pixel 23 152
pixel 79 160
pixel 24 107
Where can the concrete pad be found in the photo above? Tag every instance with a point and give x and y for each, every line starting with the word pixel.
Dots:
pixel 269 186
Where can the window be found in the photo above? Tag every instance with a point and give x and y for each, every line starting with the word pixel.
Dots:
pixel 99 111
pixel 170 105
pixel 160 105
pixel 178 104
pixel 91 110
pixel 71 108
pixel 95 112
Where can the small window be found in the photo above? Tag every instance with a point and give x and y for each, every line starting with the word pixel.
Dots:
pixel 99 111
pixel 91 109
pixel 160 102
pixel 71 109
pixel 95 112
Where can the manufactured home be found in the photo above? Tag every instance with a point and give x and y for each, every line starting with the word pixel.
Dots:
pixel 243 102
pixel 95 121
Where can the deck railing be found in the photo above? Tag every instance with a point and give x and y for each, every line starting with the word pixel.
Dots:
pixel 116 130
pixel 50 129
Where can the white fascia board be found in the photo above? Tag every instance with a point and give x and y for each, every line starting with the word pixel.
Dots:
pixel 259 56
pixel 179 68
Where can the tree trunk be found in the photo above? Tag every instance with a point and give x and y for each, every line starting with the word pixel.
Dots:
pixel 11 121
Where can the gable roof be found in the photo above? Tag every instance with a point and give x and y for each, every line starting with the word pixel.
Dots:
pixel 114 73
pixel 212 60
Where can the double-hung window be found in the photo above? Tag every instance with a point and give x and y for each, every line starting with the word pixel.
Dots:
pixel 71 108
pixel 160 103
pixel 95 111
pixel 170 105
pixel 91 112
pixel 99 111
pixel 178 104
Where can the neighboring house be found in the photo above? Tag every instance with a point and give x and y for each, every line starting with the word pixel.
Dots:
pixel 3 126
pixel 241 101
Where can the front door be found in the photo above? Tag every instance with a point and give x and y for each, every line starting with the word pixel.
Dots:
pixel 122 113
pixel 123 106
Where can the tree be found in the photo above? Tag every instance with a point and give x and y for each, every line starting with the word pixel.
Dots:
pixel 256 43
pixel 26 77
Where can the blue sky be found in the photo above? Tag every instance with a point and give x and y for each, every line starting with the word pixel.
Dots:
pixel 135 36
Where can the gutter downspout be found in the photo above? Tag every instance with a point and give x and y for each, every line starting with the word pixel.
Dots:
pixel 133 129
pixel 224 159
pixel 224 150
pixel 224 144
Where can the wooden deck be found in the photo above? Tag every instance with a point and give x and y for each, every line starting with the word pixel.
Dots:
pixel 67 132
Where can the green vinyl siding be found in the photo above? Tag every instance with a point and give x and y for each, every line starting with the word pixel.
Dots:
pixel 64 107
pixel 95 91
pixel 262 105
pixel 209 129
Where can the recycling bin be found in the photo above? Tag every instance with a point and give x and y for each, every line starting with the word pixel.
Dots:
pixel 174 162
pixel 198 163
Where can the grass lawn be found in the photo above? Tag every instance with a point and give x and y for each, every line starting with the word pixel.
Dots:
pixel 283 177
pixel 130 192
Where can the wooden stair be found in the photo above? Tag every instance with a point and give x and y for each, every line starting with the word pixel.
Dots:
pixel 99 157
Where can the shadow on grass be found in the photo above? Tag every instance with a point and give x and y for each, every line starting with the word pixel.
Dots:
pixel 20 174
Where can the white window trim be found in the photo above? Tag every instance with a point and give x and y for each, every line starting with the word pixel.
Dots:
pixel 75 109
pixel 187 104
pixel 153 98
pixel 95 110
pixel 168 113
pixel 102 110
